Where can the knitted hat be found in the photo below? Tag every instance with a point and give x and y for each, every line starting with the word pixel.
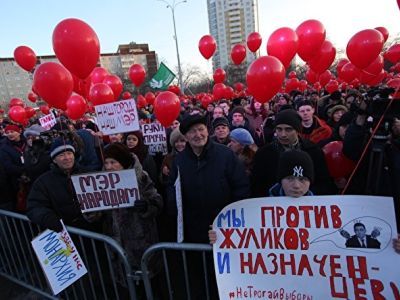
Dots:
pixel 334 109
pixel 242 136
pixel 289 117
pixel 220 121
pixel 175 135
pixel 34 130
pixel 295 163
pixel 12 127
pixel 336 95
pixel 59 146
pixel 239 110
pixel 191 120
pixel 120 153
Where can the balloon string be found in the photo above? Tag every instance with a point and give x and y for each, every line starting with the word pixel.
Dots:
pixel 366 147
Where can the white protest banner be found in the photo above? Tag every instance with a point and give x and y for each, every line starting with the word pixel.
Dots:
pixel 117 117
pixel 106 190
pixel 48 121
pixel 179 221
pixel 58 258
pixel 155 137
pixel 307 248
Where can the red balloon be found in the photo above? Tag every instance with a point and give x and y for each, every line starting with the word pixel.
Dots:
pixel 340 65
pixel 17 114
pixel 25 58
pixel 98 74
pixel 53 83
pixel 229 93
pixel 291 85
pixel 167 108
pixel 126 95
pixel 150 98
pixel 292 74
pixel 317 86
pixel 254 41
pixel 324 57
pixel 311 34
pixel 394 83
pixel 219 76
pixel 206 100
pixel 82 86
pixel 175 89
pixel 384 32
pixel 239 86
pixel 377 79
pixel 219 91
pixel 16 102
pixel 311 76
pixel 32 97
pixel 137 74
pixel 207 46
pixel 77 46
pixel 325 77
pixel 369 73
pixel 364 47
pixel 339 166
pixel 265 77
pixel 332 86
pixel 45 109
pixel 302 85
pixel 238 54
pixel 29 112
pixel 349 72
pixel 76 107
pixel 115 83
pixel 393 54
pixel 283 44
pixel 101 93
pixel 141 102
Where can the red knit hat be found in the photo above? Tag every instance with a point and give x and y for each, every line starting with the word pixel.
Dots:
pixel 12 127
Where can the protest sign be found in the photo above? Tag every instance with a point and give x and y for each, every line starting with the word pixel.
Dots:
pixel 179 221
pixel 155 137
pixel 117 117
pixel 106 190
pixel 48 121
pixel 307 248
pixel 58 258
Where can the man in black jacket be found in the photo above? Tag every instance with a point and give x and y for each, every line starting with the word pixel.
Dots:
pixel 211 178
pixel 52 195
pixel 265 163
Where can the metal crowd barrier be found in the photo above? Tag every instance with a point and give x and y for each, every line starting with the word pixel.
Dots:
pixel 109 273
pixel 176 260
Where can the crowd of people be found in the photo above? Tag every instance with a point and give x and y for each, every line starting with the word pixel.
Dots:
pixel 228 151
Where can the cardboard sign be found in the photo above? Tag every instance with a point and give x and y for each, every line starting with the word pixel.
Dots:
pixel 58 258
pixel 106 190
pixel 179 221
pixel 155 137
pixel 117 117
pixel 319 247
pixel 48 121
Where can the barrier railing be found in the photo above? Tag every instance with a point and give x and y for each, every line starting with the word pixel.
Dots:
pixel 110 275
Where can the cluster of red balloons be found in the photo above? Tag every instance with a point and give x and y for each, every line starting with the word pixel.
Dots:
pixel 18 112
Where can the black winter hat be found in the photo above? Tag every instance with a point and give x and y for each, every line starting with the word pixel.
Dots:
pixel 289 117
pixel 191 120
pixel 295 163
pixel 346 119
pixel 120 153
pixel 220 121
pixel 239 110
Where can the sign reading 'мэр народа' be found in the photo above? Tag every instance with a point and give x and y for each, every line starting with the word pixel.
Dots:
pixel 319 247
pixel 117 117
pixel 58 258
pixel 106 190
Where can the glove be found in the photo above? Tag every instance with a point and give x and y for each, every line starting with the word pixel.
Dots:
pixel 140 205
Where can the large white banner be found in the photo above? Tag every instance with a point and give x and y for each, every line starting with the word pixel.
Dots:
pixel 319 247
pixel 155 137
pixel 58 258
pixel 117 117
pixel 106 190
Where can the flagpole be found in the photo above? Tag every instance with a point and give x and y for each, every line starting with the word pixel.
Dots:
pixel 172 7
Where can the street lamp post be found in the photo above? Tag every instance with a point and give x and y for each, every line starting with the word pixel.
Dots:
pixel 172 7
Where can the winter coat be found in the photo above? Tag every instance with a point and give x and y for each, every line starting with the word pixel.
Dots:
pixel 88 156
pixel 209 182
pixel 6 196
pixel 135 230
pixel 317 132
pixel 265 168
pixel 52 198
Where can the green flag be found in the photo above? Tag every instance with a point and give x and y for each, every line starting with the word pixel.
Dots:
pixel 162 79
